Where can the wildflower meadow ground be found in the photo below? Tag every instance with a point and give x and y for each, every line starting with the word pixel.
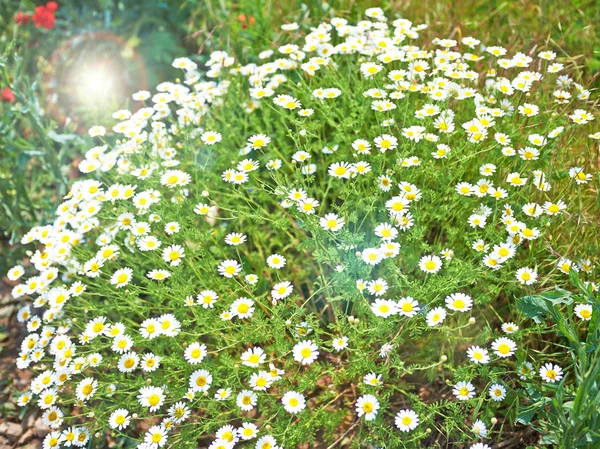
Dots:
pixel 359 239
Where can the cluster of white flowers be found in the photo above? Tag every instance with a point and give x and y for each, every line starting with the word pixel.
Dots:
pixel 102 226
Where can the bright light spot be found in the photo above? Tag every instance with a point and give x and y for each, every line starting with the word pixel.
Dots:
pixel 95 85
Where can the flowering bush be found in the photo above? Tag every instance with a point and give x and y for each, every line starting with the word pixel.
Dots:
pixel 325 247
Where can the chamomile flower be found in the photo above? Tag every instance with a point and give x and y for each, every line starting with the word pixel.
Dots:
pixel 459 302
pixel 308 206
pixel 339 343
pixel 282 290
pixel 15 273
pixel 246 400
pixel 276 261
pixel 331 222
pixel 251 279
pixel 260 381
pixel 497 392
pixel 195 353
pixel 173 255
pixel 367 406
pixel 122 343
pixel 372 379
pixel 207 298
pixel 229 268
pixel 150 362
pixel 119 419
pixel 156 436
pixel 121 277
pixel 580 177
pixel 386 142
pixel 293 402
pixel 528 109
pixel 436 316
pixel 128 362
pixel 235 239
pixel 305 352
pixel 370 69
pixel 200 380
pixel 478 355
pixel 504 347
pixel 406 420
pixel 253 357
pixel 584 311
pixel 377 287
pixel 222 394
pixel 86 389
pixel 430 264
pixel 175 178
pixel 151 398
pixel 372 256
pixel 510 327
pixel 210 137
pixel 384 308
pixel 565 265
pixel 52 440
pixel 464 391
pixel 259 141
pixel 158 275
pixel 551 373
pixel 408 307
pixel 479 429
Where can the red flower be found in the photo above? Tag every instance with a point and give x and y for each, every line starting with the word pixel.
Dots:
pixel 243 18
pixel 52 6
pixel 8 96
pixel 21 18
pixel 43 17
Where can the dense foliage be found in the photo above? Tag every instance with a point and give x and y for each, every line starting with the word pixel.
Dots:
pixel 325 245
pixel 47 52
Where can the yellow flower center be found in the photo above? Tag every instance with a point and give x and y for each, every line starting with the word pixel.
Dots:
pixel 503 348
pixel 153 399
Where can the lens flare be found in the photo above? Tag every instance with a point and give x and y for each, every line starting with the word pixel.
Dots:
pixel 95 84
pixel 89 76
